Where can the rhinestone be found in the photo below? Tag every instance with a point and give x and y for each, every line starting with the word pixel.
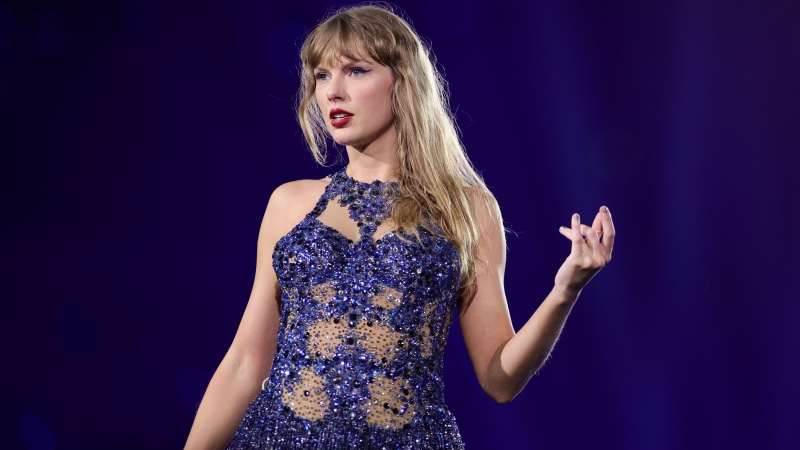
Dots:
pixel 406 294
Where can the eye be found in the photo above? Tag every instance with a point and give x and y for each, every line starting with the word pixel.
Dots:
pixel 321 76
pixel 357 71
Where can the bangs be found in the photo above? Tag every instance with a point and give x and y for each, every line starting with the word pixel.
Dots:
pixel 339 39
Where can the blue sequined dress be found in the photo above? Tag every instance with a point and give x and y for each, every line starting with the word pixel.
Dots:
pixel 362 333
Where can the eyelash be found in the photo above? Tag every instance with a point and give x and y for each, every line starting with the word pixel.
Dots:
pixel 319 76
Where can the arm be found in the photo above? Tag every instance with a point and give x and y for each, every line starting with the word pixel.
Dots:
pixel 247 363
pixel 503 360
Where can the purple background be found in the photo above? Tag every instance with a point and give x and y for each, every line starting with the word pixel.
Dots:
pixel 141 140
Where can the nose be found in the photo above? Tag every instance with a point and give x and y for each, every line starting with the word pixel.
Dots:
pixel 335 88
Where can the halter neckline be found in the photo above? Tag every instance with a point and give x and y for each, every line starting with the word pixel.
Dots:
pixel 345 177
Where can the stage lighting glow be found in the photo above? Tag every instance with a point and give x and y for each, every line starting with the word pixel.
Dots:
pixel 616 156
pixel 35 433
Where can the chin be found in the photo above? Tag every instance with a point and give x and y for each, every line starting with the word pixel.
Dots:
pixel 340 141
pixel 345 140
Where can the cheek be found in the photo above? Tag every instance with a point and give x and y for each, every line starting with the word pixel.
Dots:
pixel 318 97
pixel 386 104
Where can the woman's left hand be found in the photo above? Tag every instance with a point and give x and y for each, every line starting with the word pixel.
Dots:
pixel 591 251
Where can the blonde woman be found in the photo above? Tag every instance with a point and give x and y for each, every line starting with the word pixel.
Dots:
pixel 359 274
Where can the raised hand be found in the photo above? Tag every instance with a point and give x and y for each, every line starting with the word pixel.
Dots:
pixel 591 251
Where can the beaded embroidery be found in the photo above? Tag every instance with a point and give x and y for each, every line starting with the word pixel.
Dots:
pixel 364 323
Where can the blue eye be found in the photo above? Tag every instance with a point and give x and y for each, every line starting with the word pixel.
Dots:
pixel 322 76
pixel 356 71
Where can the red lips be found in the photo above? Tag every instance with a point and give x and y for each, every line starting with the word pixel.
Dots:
pixel 340 117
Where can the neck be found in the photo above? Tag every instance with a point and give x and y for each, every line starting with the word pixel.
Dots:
pixel 378 161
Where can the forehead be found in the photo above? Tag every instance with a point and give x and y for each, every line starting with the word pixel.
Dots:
pixel 336 48
pixel 340 60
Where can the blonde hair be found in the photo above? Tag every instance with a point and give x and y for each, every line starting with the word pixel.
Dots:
pixel 438 184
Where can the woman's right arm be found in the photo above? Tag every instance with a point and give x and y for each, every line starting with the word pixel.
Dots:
pixel 247 363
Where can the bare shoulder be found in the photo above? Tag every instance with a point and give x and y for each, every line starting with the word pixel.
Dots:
pixel 290 202
pixel 485 209
pixel 491 231
pixel 298 194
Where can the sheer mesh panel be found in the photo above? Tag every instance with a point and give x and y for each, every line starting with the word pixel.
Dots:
pixel 389 406
pixel 306 397
pixel 390 403
pixel 338 217
pixel 323 293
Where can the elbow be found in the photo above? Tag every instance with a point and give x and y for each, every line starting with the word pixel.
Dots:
pixel 501 394
pixel 502 385
pixel 502 388
pixel 501 399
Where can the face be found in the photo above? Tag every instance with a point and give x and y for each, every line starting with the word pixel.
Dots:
pixel 355 98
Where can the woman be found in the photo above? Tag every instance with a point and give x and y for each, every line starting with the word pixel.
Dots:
pixel 359 274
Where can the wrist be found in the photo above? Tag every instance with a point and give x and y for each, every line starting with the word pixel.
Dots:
pixel 565 294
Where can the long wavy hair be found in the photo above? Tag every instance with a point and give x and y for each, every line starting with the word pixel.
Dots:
pixel 438 184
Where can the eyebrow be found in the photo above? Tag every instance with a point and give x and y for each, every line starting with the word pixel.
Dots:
pixel 349 63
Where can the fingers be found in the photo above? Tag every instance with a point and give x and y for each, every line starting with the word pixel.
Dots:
pixel 602 228
pixel 586 244
pixel 567 231
pixel 597 225
pixel 585 230
pixel 591 237
pixel 608 228
pixel 576 236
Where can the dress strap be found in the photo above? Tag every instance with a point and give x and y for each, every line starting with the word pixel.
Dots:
pixel 326 196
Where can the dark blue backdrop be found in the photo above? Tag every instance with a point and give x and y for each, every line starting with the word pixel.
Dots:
pixel 141 140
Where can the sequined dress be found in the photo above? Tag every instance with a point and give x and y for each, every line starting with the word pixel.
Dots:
pixel 363 327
